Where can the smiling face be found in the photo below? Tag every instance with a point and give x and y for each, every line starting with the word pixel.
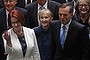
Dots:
pixel 10 4
pixel 16 24
pixel 83 6
pixel 45 18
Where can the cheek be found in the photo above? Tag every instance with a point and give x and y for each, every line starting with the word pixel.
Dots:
pixel 5 4
pixel 12 25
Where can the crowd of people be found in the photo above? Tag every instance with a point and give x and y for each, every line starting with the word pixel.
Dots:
pixel 44 30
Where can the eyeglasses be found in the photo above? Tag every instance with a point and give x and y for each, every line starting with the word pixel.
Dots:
pixel 83 5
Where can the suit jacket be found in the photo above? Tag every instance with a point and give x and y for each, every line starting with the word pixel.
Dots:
pixel 15 52
pixel 21 3
pixel 76 45
pixel 1 4
pixel 60 1
pixel 3 25
pixel 33 12
pixel 63 1
pixel 44 42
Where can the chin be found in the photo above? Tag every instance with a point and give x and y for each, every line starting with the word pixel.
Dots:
pixel 83 12
pixel 44 25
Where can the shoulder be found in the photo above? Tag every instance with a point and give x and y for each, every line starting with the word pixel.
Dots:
pixel 31 5
pixel 54 22
pixel 21 9
pixel 2 10
pixel 29 30
pixel 37 29
pixel 78 26
pixel 54 3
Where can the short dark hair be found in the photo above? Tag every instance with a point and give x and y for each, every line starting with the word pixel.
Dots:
pixel 64 5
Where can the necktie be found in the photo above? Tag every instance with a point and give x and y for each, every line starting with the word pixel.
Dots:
pixel 63 36
pixel 9 21
pixel 28 1
pixel 41 8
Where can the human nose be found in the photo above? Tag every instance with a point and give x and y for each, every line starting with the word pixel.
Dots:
pixel 62 16
pixel 83 6
pixel 8 2
pixel 43 19
pixel 15 24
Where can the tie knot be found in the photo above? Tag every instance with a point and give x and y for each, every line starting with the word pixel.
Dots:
pixel 41 8
pixel 64 27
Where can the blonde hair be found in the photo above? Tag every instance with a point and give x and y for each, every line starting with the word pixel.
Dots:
pixel 46 10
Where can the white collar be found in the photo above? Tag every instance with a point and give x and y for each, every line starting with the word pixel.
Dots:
pixel 45 5
pixel 67 25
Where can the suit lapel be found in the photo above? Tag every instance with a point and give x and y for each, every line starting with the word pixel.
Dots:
pixel 57 36
pixel 70 35
pixel 4 19
pixel 49 6
pixel 35 12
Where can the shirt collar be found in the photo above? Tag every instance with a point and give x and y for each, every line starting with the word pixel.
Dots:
pixel 67 25
pixel 7 12
pixel 45 5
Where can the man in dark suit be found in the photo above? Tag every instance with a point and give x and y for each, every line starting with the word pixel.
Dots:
pixel 9 6
pixel 75 42
pixel 34 9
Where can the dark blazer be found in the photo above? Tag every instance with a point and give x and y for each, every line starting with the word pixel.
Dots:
pixel 44 42
pixel 76 44
pixel 33 11
pixel 60 1
pixel 1 4
pixel 63 1
pixel 21 3
pixel 3 26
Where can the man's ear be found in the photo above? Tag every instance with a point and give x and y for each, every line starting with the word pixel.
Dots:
pixel 51 18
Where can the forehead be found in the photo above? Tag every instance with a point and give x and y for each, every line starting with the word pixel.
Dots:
pixel 65 9
pixel 47 13
pixel 13 19
pixel 82 2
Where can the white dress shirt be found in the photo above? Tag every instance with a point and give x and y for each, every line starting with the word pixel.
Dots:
pixel 66 30
pixel 39 6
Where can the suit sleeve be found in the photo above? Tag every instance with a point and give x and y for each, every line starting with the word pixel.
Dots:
pixel 84 43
